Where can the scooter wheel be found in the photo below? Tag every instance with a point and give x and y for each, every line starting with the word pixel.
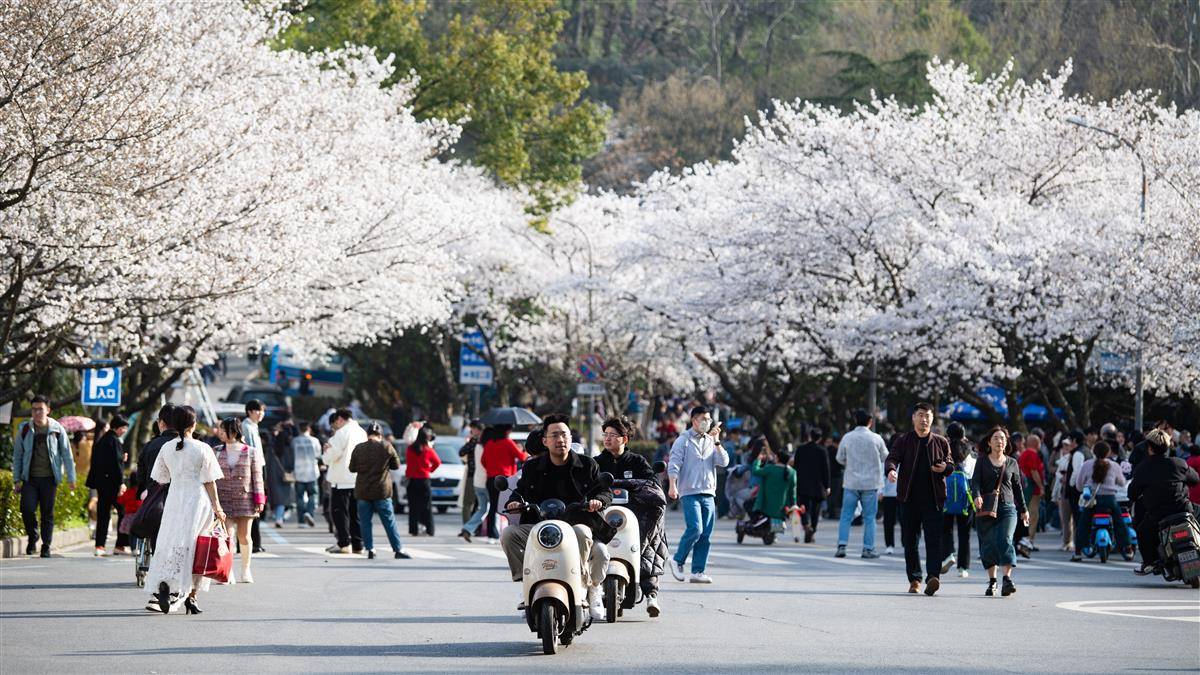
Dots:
pixel 1104 554
pixel 769 538
pixel 546 628
pixel 613 592
pixel 1195 583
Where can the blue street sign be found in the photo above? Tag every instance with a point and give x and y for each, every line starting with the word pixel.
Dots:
pixel 102 386
pixel 473 368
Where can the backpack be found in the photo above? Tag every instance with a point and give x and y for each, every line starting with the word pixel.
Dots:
pixel 958 494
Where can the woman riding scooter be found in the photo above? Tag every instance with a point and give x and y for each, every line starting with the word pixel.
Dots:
pixel 633 473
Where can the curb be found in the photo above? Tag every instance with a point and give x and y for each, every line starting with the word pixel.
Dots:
pixel 14 547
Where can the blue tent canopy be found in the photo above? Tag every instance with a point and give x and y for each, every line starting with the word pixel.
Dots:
pixel 961 411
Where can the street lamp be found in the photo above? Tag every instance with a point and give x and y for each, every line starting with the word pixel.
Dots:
pixel 1078 121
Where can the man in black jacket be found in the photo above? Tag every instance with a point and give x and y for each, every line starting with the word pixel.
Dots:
pixel 1159 487
pixel 105 476
pixel 923 460
pixel 811 462
pixel 573 478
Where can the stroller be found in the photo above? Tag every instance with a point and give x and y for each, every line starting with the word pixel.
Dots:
pixel 757 524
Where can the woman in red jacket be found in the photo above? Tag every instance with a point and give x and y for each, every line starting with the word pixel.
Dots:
pixel 500 457
pixel 420 461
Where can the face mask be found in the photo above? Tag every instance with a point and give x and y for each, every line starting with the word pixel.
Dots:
pixel 705 426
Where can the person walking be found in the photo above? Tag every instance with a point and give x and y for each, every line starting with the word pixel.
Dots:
pixel 277 474
pixel 999 501
pixel 478 483
pixel 887 497
pixel 500 457
pixel 918 463
pixel 42 459
pixel 861 451
pixel 240 489
pixel 192 470
pixel 812 480
pixel 306 450
pixel 107 477
pixel 255 412
pixel 692 474
pixel 1104 477
pixel 777 484
pixel 1033 472
pixel 960 520
pixel 467 454
pixel 420 461
pixel 347 435
pixel 1070 462
pixel 372 462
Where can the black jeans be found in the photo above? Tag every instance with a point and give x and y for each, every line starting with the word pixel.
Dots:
pixel 916 520
pixel 964 538
pixel 344 509
pixel 420 506
pixel 37 494
pixel 889 521
pixel 106 499
pixel 812 511
pixel 493 527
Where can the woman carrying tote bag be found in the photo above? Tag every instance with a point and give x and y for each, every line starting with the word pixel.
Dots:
pixel 999 501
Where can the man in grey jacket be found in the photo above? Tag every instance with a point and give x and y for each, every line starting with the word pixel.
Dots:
pixel 862 452
pixel 41 460
pixel 692 470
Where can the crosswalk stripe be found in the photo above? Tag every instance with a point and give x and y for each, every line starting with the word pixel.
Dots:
pixel 422 554
pixel 1080 566
pixel 762 560
pixel 479 550
pixel 826 559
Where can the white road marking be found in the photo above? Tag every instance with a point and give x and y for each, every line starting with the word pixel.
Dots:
pixel 479 550
pixel 421 554
pixel 321 551
pixel 762 560
pixel 275 536
pixel 1111 566
pixel 827 558
pixel 7 568
pixel 1138 608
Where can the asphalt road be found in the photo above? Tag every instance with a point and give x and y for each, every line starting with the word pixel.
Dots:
pixel 783 607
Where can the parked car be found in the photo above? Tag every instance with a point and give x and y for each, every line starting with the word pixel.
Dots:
pixel 278 405
pixel 446 483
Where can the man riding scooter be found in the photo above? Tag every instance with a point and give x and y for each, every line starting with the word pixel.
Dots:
pixel 1159 489
pixel 570 477
pixel 633 474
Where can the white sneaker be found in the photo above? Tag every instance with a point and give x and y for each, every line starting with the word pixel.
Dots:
pixel 701 578
pixel 652 605
pixel 595 603
pixel 521 598
pixel 889 550
pixel 947 563
pixel 99 553
pixel 677 571
pixel 963 574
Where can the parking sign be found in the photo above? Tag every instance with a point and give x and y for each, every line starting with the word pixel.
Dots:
pixel 102 386
pixel 472 367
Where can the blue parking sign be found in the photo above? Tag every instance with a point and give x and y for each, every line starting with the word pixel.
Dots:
pixel 102 386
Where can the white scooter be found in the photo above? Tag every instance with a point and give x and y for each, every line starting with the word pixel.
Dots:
pixel 622 582
pixel 556 605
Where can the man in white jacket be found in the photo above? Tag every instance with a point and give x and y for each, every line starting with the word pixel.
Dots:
pixel 862 452
pixel 347 434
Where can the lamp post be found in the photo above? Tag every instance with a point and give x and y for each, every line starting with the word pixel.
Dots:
pixel 1138 418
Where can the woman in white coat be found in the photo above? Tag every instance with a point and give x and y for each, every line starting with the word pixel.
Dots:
pixel 191 468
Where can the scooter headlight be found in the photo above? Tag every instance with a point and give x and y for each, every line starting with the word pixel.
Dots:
pixel 616 520
pixel 550 536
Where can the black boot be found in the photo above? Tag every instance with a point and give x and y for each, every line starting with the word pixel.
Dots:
pixel 163 596
pixel 991 589
pixel 1007 588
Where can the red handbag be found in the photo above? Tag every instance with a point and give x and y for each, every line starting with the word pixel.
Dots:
pixel 214 555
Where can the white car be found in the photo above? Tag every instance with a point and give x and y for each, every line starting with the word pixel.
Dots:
pixel 447 481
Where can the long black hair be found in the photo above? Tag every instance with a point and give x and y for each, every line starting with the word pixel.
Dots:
pixel 1100 468
pixel 182 419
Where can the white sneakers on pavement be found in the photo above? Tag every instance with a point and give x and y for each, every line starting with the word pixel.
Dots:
pixel 963 574
pixel 652 605
pixel 947 563
pixel 677 571
pixel 889 550
pixel 700 578
pixel 595 603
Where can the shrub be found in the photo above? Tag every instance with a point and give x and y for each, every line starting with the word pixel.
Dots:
pixel 70 506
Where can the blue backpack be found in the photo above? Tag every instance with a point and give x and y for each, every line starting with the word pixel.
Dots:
pixel 958 494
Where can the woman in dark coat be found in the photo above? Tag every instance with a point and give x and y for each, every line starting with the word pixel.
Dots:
pixel 279 489
pixel 106 476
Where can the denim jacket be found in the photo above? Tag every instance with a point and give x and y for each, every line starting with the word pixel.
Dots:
pixel 58 446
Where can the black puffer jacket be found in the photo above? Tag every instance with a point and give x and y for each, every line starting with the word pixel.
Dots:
pixel 649 504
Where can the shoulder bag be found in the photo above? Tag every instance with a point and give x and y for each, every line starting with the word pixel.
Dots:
pixel 991 513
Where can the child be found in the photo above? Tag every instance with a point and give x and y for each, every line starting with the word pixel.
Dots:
pixel 129 502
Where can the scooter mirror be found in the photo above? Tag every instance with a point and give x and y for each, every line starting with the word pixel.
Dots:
pixel 660 467
pixel 606 479
pixel 500 483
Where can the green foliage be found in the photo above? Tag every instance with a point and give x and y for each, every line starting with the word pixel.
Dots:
pixel 70 506
pixel 903 78
pixel 489 61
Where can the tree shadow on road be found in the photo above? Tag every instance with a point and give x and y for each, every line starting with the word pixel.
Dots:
pixel 34 587
pixel 506 619
pixel 431 649
pixel 74 614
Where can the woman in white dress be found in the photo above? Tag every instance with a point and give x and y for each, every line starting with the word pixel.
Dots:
pixel 191 468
